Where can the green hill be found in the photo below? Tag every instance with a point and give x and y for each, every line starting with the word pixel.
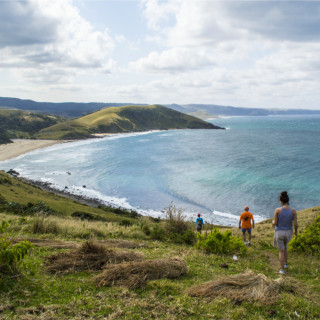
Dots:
pixel 18 124
pixel 124 119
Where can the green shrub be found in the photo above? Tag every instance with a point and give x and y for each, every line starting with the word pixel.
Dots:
pixel 120 211
pixel 11 255
pixel 15 208
pixel 4 225
pixel 309 240
pixel 220 243
pixel 83 215
pixel 157 233
pixel 30 208
pixel 189 237
pixel 175 221
pixel 5 181
pixel 125 223
pixel 39 207
pixel 176 238
pixel 146 230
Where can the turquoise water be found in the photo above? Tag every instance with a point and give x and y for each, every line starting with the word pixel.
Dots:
pixel 214 172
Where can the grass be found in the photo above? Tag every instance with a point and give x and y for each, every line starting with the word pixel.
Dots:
pixel 37 294
pixel 14 190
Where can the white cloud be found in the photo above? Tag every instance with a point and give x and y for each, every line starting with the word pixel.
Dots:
pixel 243 53
pixel 49 41
pixel 175 60
pixel 159 13
pixel 208 22
pixel 247 52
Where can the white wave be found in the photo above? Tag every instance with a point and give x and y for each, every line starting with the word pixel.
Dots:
pixel 226 215
pixel 257 218
pixel 128 135
pixel 39 161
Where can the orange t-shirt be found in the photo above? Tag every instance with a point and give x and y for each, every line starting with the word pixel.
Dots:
pixel 246 219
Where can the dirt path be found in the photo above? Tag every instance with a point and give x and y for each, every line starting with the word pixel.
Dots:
pixel 273 259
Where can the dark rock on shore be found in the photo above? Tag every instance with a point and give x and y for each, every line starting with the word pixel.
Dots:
pixel 13 173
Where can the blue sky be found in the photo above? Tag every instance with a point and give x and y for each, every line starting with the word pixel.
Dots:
pixel 240 53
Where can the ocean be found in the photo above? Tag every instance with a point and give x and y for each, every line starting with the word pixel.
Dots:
pixel 212 172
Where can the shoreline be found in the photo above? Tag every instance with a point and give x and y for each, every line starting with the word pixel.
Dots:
pixel 46 186
pixel 21 146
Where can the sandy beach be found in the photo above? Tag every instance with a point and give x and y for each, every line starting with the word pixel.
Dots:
pixel 21 146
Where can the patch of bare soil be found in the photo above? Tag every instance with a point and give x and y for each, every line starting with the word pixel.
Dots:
pixel 273 260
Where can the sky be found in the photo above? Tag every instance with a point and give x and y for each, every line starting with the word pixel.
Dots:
pixel 261 54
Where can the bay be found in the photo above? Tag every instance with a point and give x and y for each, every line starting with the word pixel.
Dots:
pixel 214 172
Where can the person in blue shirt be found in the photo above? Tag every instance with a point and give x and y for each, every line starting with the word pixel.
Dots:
pixel 284 217
pixel 199 223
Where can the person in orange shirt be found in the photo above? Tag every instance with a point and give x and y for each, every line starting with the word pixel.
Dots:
pixel 246 218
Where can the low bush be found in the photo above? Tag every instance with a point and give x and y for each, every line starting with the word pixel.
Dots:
pixel 309 240
pixel 15 208
pixel 220 243
pixel 39 207
pixel 11 255
pixel 83 215
pixel 175 221
pixel 29 209
pixel 188 237
pixel 157 233
pixel 120 211
pixel 5 181
pixel 125 223
pixel 146 230
pixel 176 238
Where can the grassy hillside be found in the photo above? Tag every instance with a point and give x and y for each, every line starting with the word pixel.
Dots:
pixel 36 293
pixel 124 119
pixel 17 124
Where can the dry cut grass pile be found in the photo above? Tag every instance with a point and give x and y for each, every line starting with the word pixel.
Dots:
pixel 244 286
pixel 91 256
pixel 136 274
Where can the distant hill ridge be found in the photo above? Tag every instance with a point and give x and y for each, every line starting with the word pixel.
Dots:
pixel 66 109
pixel 215 110
pixel 124 119
pixel 77 109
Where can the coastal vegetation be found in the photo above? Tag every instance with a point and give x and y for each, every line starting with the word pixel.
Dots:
pixel 4 137
pixel 73 269
pixel 17 124
pixel 124 119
